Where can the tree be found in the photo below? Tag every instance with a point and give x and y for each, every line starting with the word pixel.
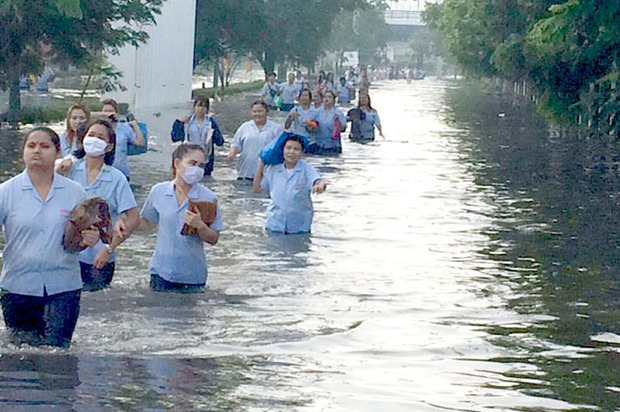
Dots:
pixel 78 31
pixel 569 50
pixel 272 31
pixel 364 31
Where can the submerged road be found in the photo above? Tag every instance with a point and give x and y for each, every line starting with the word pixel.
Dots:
pixel 407 296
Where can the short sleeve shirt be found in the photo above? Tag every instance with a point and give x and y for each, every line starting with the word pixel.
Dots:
pixel 269 91
pixel 368 124
pixel 112 186
pixel 124 135
pixel 201 135
pixel 177 258
pixel 249 141
pixel 326 127
pixel 344 95
pixel 298 126
pixel 289 92
pixel 34 260
pixel 67 148
pixel 290 210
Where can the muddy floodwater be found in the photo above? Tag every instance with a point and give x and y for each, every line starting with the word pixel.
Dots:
pixel 467 263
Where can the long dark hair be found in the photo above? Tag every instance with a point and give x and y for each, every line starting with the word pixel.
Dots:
pixel 108 158
pixel 369 102
pixel 70 133
pixel 306 90
pixel 181 151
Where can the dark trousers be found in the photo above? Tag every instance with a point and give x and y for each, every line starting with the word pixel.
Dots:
pixel 318 150
pixel 41 320
pixel 96 279
pixel 159 284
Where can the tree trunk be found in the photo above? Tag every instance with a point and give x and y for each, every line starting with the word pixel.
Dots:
pixel 216 76
pixel 268 63
pixel 14 97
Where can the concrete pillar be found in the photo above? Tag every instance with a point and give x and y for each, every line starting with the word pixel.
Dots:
pixel 159 73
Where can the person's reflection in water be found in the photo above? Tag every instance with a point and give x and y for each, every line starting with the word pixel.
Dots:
pixel 42 381
pixel 292 247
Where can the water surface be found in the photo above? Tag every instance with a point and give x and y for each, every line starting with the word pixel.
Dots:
pixel 467 263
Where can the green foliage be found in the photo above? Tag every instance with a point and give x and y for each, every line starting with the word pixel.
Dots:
pixel 270 30
pixel 569 50
pixel 78 30
pixel 425 42
pixel 364 31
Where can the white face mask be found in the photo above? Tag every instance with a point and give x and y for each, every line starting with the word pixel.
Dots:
pixel 94 147
pixel 193 174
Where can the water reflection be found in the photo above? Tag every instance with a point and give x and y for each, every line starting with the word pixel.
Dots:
pixel 38 381
pixel 555 247
pixel 463 264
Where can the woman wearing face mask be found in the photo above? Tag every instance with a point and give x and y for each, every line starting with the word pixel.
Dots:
pixel 94 172
pixel 40 279
pixel 179 262
pixel 126 132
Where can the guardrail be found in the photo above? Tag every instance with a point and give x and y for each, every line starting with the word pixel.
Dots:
pixel 404 17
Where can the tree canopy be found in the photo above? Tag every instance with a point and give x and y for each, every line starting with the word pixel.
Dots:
pixel 361 30
pixel 77 30
pixel 272 31
pixel 569 50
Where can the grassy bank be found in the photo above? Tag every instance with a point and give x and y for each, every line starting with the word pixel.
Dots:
pixel 211 92
pixel 54 111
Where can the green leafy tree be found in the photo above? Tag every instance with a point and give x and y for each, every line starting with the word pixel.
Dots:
pixel 575 54
pixel 272 31
pixel 78 31
pixel 364 31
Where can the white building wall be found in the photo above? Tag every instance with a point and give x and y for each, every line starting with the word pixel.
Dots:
pixel 159 73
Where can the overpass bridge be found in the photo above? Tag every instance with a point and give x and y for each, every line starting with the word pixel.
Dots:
pixel 404 16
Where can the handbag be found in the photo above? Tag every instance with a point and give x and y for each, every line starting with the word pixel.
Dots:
pixel 133 149
pixel 178 131
pixel 91 213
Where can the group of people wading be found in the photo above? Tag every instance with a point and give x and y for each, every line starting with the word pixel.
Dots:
pixel 42 278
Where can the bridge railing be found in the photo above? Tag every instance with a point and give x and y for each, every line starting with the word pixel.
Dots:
pixel 409 17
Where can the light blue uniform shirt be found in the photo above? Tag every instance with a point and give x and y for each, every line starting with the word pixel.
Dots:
pixel 66 148
pixel 112 186
pixel 298 126
pixel 344 94
pixel 124 135
pixel 326 127
pixel 266 93
pixel 200 135
pixel 177 258
pixel 290 210
pixel 34 258
pixel 249 141
pixel 367 126
pixel 290 92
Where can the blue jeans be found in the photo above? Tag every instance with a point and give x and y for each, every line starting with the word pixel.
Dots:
pixel 41 320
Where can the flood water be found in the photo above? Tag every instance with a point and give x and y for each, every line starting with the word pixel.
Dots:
pixel 468 263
